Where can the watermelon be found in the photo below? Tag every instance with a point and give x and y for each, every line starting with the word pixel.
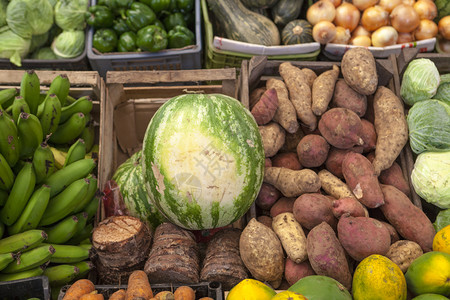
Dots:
pixel 130 180
pixel 203 160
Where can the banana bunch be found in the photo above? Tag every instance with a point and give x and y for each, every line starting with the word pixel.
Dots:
pixel 48 193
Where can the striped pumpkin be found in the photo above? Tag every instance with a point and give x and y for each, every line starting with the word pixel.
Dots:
pixel 297 32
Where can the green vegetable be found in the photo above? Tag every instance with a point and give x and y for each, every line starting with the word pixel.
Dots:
pixel 442 219
pixel 69 44
pixel 173 20
pixel 120 26
pixel 443 90
pixel 3 5
pixel 13 47
pixel 185 6
pixel 69 14
pixel 44 53
pixel 151 38
pixel 420 81
pixel 180 37
pixel 37 41
pixel 157 5
pixel 29 17
pixel 105 40
pixel 99 16
pixel 159 24
pixel 431 176
pixel 139 15
pixel 123 3
pixel 429 126
pixel 127 42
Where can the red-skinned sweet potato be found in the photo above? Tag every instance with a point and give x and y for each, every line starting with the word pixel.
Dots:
pixel 287 160
pixel 266 220
pixel 349 205
pixel 334 161
pixel 368 135
pixel 264 110
pixel 346 97
pixel 293 272
pixel 281 206
pixel 312 209
pixel 267 162
pixel 394 234
pixel 267 196
pixel 312 150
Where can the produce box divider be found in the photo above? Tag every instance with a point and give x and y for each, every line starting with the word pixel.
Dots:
pixel 32 287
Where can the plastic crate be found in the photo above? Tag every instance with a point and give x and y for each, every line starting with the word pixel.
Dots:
pixel 216 58
pixel 202 289
pixel 169 59
pixel 22 289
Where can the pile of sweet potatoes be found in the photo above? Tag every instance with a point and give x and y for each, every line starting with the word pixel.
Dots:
pixel 333 192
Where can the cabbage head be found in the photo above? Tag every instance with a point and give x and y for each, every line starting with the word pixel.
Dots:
pixel 37 41
pixel 13 46
pixel 420 81
pixel 44 53
pixel 430 178
pixel 29 17
pixel 442 219
pixel 443 91
pixel 69 14
pixel 3 5
pixel 429 126
pixel 69 44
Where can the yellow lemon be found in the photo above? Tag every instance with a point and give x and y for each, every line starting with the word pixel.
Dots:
pixel 251 289
pixel 288 295
pixel 441 241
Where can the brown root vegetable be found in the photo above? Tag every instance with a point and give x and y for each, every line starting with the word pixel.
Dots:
pixel 283 205
pixel 138 286
pixel 312 150
pixel 267 196
pixel 255 95
pixel 78 289
pixel 299 93
pixel 394 234
pixel 293 272
pixel 359 70
pixel 287 160
pixel 267 162
pixel 346 97
pixel 333 186
pixel 391 128
pixel 285 115
pixel 323 89
pixel 334 161
pixel 265 108
pixel 341 128
pixel 266 220
pixel 312 209
pixel 363 236
pixel 291 236
pixel 370 114
pixel 92 296
pixel 368 135
pixel 165 295
pixel 118 295
pixel 350 206
pixel 262 252
pixel 292 140
pixel 184 292
pixel 403 253
pixel 326 254
pixel 310 76
pixel 409 220
pixel 361 179
pixel 273 137
pixel 292 183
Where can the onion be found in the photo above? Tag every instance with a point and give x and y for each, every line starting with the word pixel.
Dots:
pixel 389 5
pixel 360 31
pixel 363 4
pixel 444 27
pixel 322 10
pixel 384 36
pixel 336 3
pixel 405 37
pixel 426 9
pixel 404 18
pixel 347 16
pixel 409 2
pixel 361 40
pixel 427 29
pixel 324 32
pixel 342 36
pixel 374 17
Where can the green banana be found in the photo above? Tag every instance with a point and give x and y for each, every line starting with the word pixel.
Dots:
pixel 31 259
pixel 86 244
pixel 32 214
pixel 43 162
pixel 76 152
pixel 30 134
pixel 65 176
pixel 65 254
pixel 18 106
pixel 82 220
pixel 61 274
pixel 7 97
pixel 38 271
pixel 83 104
pixel 30 89
pixel 6 175
pixel 84 268
pixel 63 230
pixel 70 100
pixel 60 157
pixel 3 196
pixel 6 259
pixel 22 241
pixel 9 144
pixel 82 235
pixel 60 86
pixel 88 136
pixel 63 204
pixel 20 193
pixel 92 190
pixel 69 130
pixel 49 113
pixel 92 207
pixel 42 96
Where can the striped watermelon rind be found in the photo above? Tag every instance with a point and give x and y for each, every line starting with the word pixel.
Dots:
pixel 203 160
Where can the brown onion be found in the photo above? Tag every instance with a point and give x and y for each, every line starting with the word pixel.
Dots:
pixel 404 18
pixel 363 4
pixel 322 10
pixel 324 32
pixel 336 3
pixel 444 27
pixel 360 31
pixel 405 37
pixel 361 40
pixel 374 17
pixel 409 2
pixel 347 16
pixel 389 5
pixel 426 9
pixel 427 29
pixel 342 36
pixel 384 36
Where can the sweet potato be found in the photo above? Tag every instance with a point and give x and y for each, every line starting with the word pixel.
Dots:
pixel 363 236
pixel 310 76
pixel 409 220
pixel 92 296
pixel 139 286
pixel 350 206
pixel 291 236
pixel 273 136
pixel 403 253
pixel 394 234
pixel 255 95
pixel 78 289
pixel 287 160
pixel 293 272
pixel 361 179
pixel 292 140
pixel 312 209
pixel 312 150
pixel 341 128
pixel 346 97
pixel 267 162
pixel 368 135
pixel 359 70
pixel 391 128
pixel 184 292
pixel 267 196
pixel 299 93
pixel 265 108
pixel 285 115
pixel 165 295
pixel 266 220
pixel 118 295
pixel 292 183
pixel 283 205
pixel 334 161
pixel 333 186
pixel 370 114
pixel 323 89
pixel 326 255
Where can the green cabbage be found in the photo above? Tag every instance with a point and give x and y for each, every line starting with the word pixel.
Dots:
pixel 442 219
pixel 443 91
pixel 13 46
pixel 420 81
pixel 429 126
pixel 69 44
pixel 29 17
pixel 3 5
pixel 69 14
pixel 37 41
pixel 431 178
pixel 44 53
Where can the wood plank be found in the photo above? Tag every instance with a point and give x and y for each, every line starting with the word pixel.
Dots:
pixel 80 78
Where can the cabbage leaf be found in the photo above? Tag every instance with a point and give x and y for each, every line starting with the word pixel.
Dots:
pixel 13 46
pixel 443 90
pixel 69 14
pixel 69 44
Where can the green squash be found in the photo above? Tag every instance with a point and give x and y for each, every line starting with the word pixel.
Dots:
pixel 297 32
pixel 285 11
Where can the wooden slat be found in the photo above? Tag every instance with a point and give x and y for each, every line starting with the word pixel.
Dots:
pixel 81 78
